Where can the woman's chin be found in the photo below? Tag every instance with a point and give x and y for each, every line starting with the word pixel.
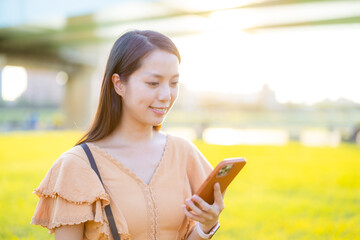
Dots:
pixel 159 122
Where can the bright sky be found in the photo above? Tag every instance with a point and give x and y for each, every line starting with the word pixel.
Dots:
pixel 306 64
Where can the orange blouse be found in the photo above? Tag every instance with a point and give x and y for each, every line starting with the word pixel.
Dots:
pixel 71 193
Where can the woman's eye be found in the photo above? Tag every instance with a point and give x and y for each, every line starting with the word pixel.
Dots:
pixel 153 83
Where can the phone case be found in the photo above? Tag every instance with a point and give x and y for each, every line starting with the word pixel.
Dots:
pixel 224 173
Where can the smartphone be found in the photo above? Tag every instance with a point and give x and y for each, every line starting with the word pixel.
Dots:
pixel 224 173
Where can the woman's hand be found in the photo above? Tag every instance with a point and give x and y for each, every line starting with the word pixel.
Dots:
pixel 207 215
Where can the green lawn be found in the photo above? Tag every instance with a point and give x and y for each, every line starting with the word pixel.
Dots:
pixel 290 192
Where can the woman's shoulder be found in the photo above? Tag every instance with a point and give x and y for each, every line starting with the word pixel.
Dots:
pixel 185 146
pixel 75 155
pixel 180 141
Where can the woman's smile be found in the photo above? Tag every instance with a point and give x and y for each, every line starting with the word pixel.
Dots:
pixel 159 111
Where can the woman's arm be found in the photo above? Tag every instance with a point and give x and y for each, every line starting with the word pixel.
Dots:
pixel 74 232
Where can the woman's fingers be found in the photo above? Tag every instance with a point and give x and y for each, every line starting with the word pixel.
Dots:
pixel 202 204
pixel 202 217
pixel 192 206
pixel 199 210
pixel 190 215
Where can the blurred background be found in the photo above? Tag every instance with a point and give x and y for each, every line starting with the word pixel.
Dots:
pixel 264 77
pixel 252 71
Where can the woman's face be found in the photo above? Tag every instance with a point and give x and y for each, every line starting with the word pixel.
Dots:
pixel 151 91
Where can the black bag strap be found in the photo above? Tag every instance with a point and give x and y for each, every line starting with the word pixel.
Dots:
pixel 108 211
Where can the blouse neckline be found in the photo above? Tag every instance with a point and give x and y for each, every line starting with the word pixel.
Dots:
pixel 127 170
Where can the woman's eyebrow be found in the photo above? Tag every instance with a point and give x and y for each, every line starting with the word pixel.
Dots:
pixel 160 76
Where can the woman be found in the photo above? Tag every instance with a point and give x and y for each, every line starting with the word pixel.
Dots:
pixel 149 176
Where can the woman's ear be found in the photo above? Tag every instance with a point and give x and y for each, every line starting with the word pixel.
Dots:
pixel 119 86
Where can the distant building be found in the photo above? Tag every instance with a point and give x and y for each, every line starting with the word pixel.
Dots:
pixel 42 88
pixel 264 99
pixel 267 98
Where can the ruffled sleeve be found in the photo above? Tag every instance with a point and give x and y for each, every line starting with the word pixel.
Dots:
pixel 71 193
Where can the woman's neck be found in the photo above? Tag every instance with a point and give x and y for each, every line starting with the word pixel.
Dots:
pixel 133 135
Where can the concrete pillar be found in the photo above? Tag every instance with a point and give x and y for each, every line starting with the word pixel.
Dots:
pixel 82 92
pixel 77 102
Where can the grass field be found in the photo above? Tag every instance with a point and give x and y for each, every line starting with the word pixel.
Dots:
pixel 290 192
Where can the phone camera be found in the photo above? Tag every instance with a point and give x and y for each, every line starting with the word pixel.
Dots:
pixel 223 171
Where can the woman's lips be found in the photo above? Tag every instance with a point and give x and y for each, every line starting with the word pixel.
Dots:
pixel 159 111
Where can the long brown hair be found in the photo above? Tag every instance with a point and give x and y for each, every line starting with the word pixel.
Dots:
pixel 125 58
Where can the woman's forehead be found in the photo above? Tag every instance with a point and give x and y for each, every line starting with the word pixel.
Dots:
pixel 158 75
pixel 160 64
pixel 160 56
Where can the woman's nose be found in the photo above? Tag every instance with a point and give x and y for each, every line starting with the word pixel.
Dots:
pixel 165 93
